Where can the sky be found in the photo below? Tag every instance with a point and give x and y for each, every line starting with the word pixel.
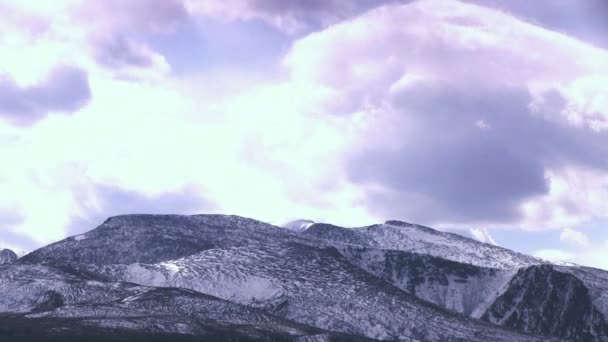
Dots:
pixel 488 118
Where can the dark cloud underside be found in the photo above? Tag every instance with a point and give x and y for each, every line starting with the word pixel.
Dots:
pixel 452 168
pixel 66 89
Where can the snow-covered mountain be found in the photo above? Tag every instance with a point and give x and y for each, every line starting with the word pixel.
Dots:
pixel 212 275
pixel 262 266
pixel 7 256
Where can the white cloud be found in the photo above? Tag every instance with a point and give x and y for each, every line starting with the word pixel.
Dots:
pixel 574 237
pixel 362 64
pixel 482 234
pixel 554 255
pixel 595 257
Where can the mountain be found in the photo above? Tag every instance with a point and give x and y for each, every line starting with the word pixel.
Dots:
pixel 397 235
pixel 229 277
pixel 477 279
pixel 7 256
pixel 262 266
pixel 52 301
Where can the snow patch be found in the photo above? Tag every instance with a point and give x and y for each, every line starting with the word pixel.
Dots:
pixel 80 237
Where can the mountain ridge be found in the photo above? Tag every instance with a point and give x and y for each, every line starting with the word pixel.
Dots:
pixel 388 281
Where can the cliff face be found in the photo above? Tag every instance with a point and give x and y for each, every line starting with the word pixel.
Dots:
pixel 542 300
pixel 459 287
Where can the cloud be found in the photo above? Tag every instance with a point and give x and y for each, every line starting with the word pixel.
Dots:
pixel 291 16
pixel 464 175
pixel 416 80
pixel 17 242
pixel 584 20
pixel 128 58
pixel 554 255
pixel 66 89
pixel 574 237
pixel 482 234
pixel 118 52
pixel 131 15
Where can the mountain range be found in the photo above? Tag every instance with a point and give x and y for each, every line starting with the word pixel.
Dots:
pixel 229 278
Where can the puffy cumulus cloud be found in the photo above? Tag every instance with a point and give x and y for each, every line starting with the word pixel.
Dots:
pixel 65 89
pixel 152 147
pixel 417 80
pixel 554 255
pixel 574 237
pixel 580 250
pixel 595 257
pixel 248 147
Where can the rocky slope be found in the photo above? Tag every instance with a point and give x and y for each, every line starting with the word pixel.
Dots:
pixel 49 301
pixel 397 235
pixel 595 280
pixel 545 301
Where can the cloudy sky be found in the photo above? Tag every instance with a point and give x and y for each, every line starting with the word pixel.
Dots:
pixel 481 116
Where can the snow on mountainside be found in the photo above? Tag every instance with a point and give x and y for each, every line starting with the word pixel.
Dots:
pixel 289 275
pixel 308 285
pixel 70 298
pixel 7 256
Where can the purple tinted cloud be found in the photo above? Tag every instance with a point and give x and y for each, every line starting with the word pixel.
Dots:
pixel 118 51
pixel 585 20
pixel 66 89
pixel 450 169
pixel 9 218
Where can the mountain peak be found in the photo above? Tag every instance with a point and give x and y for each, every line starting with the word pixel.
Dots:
pixel 7 256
